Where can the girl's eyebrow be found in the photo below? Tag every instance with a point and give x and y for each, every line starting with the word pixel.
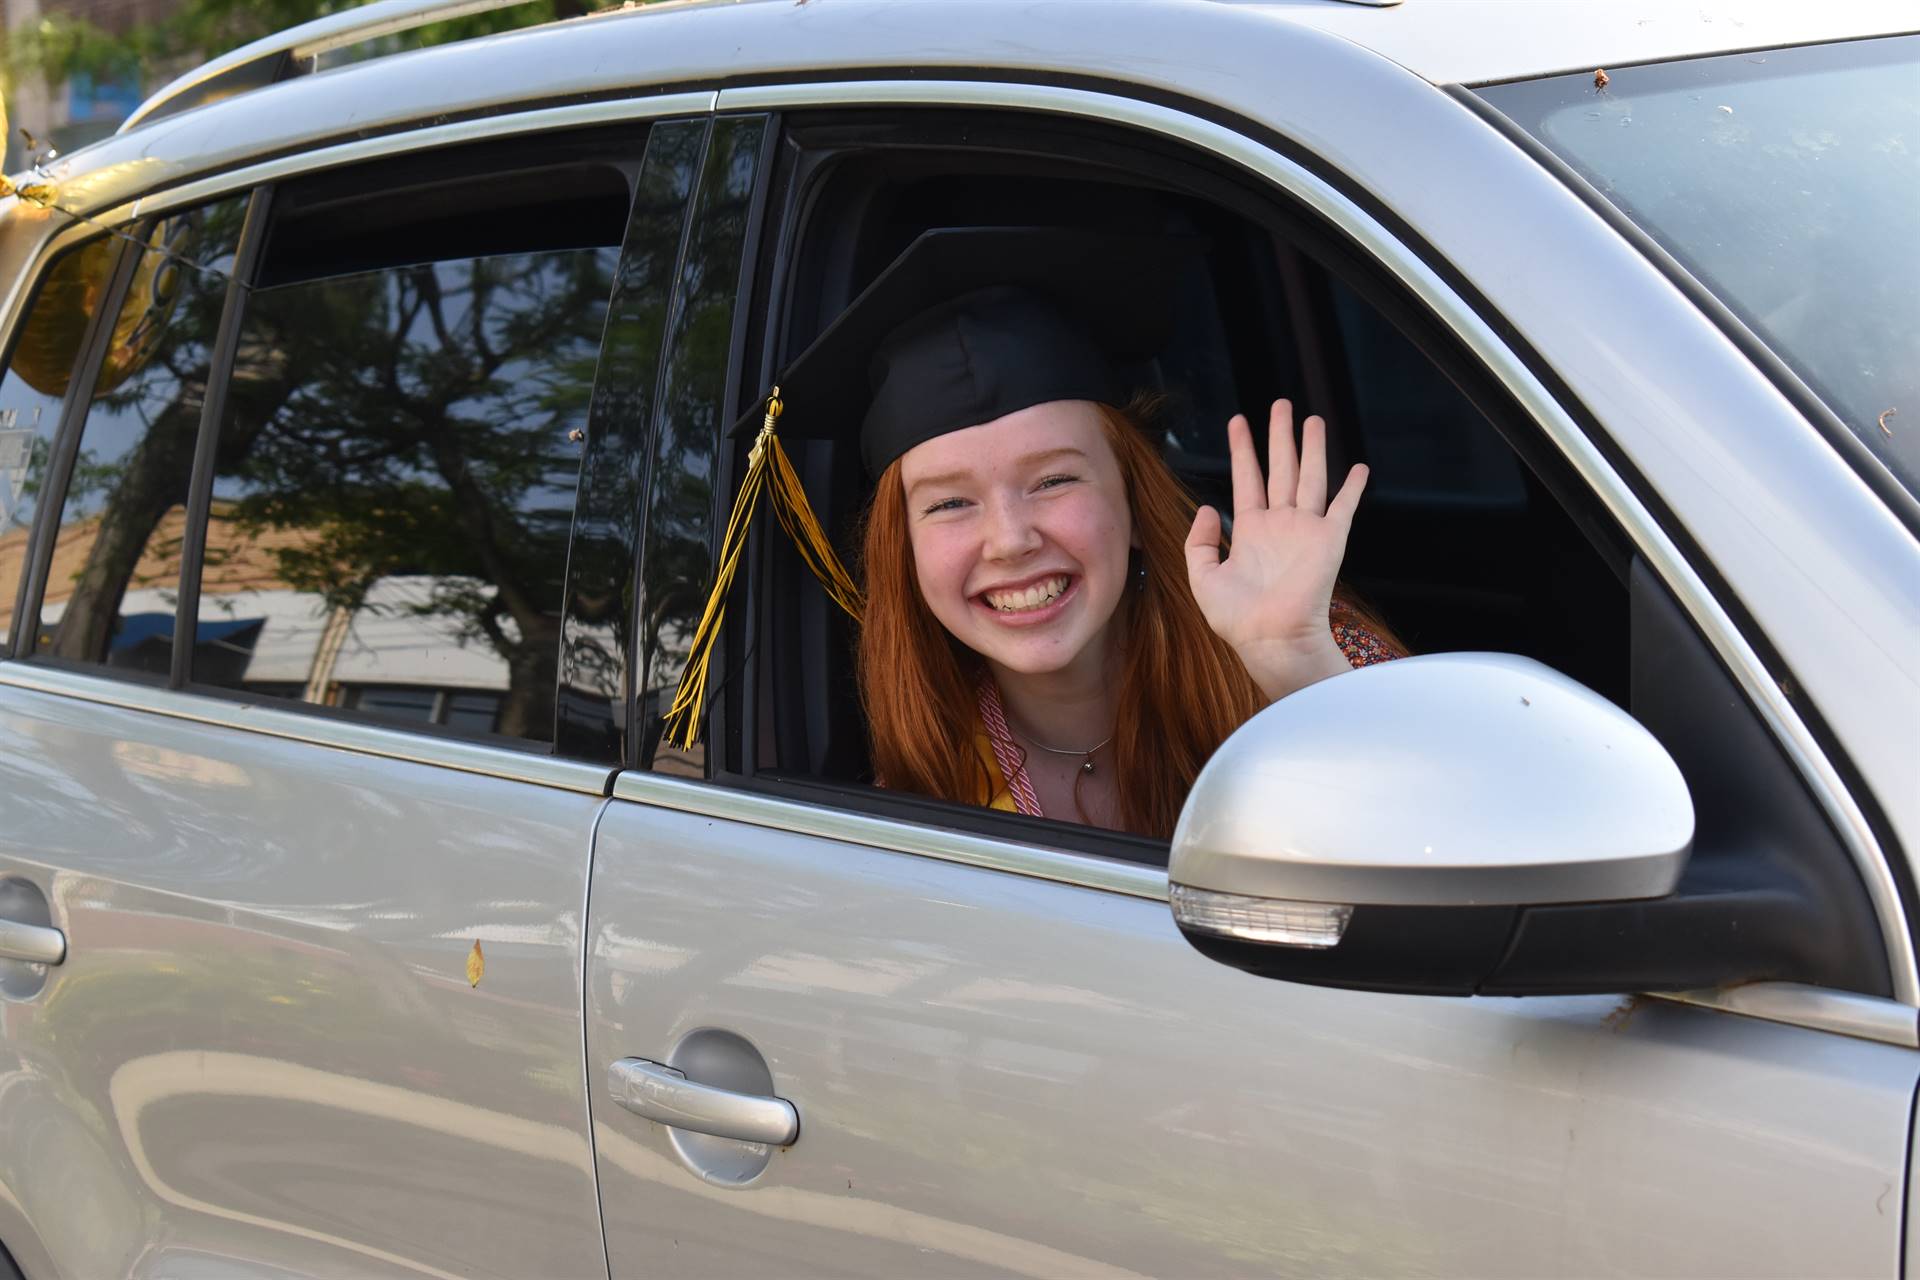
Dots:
pixel 1024 460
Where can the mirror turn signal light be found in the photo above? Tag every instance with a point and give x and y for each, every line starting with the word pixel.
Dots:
pixel 1277 922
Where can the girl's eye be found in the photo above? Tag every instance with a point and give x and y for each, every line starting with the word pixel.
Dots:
pixel 1052 482
pixel 945 504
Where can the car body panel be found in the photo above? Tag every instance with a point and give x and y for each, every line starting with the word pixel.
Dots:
pixel 1000 1075
pixel 263 1045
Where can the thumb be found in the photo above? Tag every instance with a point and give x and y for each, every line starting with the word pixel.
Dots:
pixel 1203 544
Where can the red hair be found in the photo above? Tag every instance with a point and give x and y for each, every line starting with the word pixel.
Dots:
pixel 1183 690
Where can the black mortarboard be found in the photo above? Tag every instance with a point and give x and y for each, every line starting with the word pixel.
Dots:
pixel 972 323
pixel 966 326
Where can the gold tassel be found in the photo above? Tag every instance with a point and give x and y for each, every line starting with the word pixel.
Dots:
pixel 767 469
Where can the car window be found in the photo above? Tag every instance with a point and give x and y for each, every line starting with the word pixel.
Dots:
pixel 39 368
pixel 1427 444
pixel 394 477
pixel 1459 546
pixel 677 564
pixel 597 634
pixel 114 579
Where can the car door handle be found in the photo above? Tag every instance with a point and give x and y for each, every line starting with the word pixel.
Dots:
pixel 31 942
pixel 665 1094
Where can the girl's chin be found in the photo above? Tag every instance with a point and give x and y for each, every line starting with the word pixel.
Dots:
pixel 1037 655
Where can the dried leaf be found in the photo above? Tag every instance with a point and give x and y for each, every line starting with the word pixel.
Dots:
pixel 1600 78
pixel 476 964
pixel 1885 429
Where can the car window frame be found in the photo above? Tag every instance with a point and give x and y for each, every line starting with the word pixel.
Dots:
pixel 133 242
pixel 129 225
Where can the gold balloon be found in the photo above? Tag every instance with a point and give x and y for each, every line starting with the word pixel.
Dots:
pixel 44 355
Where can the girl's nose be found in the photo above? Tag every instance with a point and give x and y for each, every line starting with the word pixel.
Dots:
pixel 1010 531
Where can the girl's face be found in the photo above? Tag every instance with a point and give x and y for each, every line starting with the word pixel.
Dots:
pixel 1021 532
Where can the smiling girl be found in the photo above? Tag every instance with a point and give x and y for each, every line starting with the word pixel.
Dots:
pixel 1050 626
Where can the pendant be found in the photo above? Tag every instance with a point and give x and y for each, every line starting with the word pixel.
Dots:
pixel 1086 766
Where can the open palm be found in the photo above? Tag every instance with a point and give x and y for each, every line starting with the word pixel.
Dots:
pixel 1269 597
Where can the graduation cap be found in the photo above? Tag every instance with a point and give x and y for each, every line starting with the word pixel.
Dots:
pixel 964 327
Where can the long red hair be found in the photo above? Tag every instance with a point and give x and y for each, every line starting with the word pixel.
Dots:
pixel 1183 690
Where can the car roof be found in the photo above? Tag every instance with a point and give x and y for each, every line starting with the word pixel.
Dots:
pixel 1481 41
pixel 1442 41
pixel 693 48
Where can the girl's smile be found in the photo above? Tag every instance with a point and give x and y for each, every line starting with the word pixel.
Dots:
pixel 1038 600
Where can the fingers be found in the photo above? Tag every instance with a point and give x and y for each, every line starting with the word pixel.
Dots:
pixel 1341 509
pixel 1281 466
pixel 1312 494
pixel 1249 491
pixel 1203 544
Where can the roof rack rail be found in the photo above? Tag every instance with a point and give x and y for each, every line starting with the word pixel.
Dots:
pixel 279 56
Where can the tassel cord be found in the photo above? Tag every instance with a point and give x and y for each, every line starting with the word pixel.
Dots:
pixel 770 471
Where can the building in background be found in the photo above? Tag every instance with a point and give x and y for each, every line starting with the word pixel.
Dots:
pixel 82 108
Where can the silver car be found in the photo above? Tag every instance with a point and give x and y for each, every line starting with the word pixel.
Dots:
pixel 363 452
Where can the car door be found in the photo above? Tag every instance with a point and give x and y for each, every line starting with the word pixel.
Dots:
pixel 319 875
pixel 1000 1056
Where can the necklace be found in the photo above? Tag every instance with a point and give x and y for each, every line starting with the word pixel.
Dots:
pixel 1086 761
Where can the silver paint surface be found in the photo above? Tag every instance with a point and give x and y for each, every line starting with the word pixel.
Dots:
pixel 263 1046
pixel 1003 1075
pixel 1446 779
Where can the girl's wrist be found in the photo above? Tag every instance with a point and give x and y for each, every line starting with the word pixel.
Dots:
pixel 1281 669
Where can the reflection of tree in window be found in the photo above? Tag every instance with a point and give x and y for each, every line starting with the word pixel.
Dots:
pixel 607 522
pixel 111 592
pixel 396 453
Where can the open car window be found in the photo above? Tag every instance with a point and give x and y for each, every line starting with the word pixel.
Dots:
pixel 1458 545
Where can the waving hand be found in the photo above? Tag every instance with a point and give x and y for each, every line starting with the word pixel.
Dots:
pixel 1269 597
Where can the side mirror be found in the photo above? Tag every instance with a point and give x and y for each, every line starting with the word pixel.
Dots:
pixel 1384 829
